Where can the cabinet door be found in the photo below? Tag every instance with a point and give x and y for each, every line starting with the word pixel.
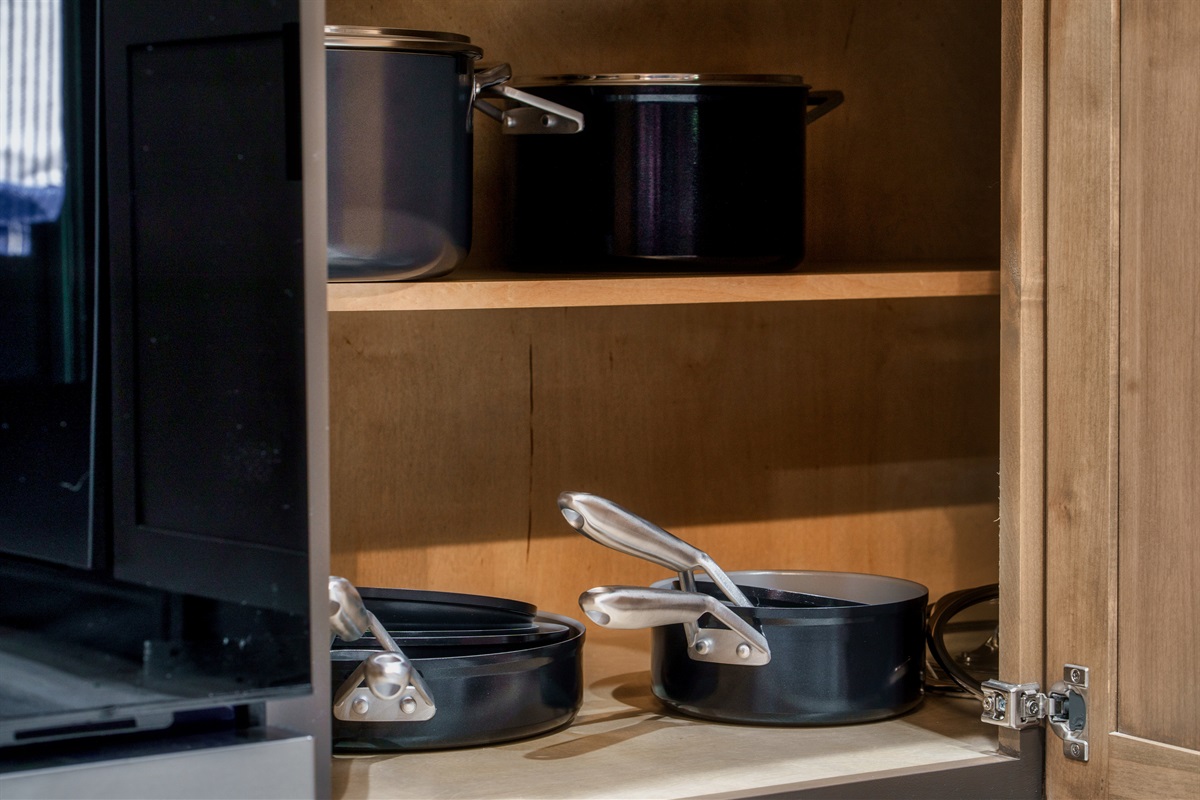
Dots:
pixel 208 300
pixel 1123 373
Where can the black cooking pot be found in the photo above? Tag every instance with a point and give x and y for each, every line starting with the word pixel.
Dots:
pixel 399 132
pixel 469 680
pixel 674 172
pixel 767 647
pixel 828 666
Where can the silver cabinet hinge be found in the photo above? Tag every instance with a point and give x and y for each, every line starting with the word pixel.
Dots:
pixel 1023 705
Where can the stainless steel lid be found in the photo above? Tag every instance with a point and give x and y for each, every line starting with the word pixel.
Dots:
pixel 661 79
pixel 347 37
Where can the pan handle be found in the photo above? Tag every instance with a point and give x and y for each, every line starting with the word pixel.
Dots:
pixel 609 524
pixel 533 114
pixel 825 100
pixel 631 607
pixel 385 686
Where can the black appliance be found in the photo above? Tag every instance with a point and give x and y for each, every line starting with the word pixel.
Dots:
pixel 154 513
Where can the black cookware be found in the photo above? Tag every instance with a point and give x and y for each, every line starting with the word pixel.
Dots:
pixel 675 171
pixel 400 147
pixel 444 680
pixel 836 648
pixel 413 609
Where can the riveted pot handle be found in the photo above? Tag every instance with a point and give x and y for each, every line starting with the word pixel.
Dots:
pixel 384 687
pixel 825 100
pixel 631 607
pixel 533 114
pixel 607 523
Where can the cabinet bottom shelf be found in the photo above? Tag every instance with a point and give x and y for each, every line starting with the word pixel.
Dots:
pixel 623 745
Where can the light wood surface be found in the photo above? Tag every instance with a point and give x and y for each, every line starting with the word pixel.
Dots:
pixel 856 436
pixel 492 289
pixel 623 745
pixel 1022 342
pixel 1081 370
pixel 905 170
pixel 1158 654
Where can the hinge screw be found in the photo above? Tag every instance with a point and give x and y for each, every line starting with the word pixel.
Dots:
pixel 988 703
pixel 1076 750
pixel 1031 707
pixel 1075 675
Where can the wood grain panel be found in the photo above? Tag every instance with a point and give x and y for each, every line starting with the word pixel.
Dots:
pixel 906 169
pixel 1139 768
pixel 1159 648
pixel 853 436
pixel 1081 367
pixel 1022 342
pixel 429 443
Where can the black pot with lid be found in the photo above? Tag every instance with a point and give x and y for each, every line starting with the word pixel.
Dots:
pixel 676 171
pixel 400 154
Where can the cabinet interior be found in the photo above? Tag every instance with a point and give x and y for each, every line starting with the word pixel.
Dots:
pixel 805 421
pixel 844 434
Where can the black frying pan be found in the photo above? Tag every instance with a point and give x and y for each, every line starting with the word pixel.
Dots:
pixel 414 609
pixel 437 644
pixel 453 685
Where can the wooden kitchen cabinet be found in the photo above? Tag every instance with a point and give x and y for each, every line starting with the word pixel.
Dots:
pixel 935 394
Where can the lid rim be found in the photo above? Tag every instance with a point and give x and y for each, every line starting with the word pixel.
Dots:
pixel 663 79
pixel 353 37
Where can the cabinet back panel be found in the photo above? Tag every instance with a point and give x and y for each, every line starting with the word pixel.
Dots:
pixel 853 435
pixel 907 169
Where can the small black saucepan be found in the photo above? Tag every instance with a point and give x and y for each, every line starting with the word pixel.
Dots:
pixel 446 679
pixel 815 648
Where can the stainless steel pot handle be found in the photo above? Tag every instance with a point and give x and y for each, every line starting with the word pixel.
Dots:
pixel 825 100
pixel 604 521
pixel 630 607
pixel 534 115
pixel 385 686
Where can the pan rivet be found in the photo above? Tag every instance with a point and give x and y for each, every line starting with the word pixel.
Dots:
pixel 360 706
pixel 743 650
pixel 703 646
pixel 408 705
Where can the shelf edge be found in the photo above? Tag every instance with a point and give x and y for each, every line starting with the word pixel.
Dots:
pixel 468 293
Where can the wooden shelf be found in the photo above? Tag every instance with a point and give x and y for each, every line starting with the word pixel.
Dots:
pixel 623 745
pixel 859 281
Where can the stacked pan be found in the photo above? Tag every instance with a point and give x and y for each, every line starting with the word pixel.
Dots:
pixel 417 670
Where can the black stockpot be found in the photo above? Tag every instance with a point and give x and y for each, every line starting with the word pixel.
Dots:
pixel 673 172
pixel 832 665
